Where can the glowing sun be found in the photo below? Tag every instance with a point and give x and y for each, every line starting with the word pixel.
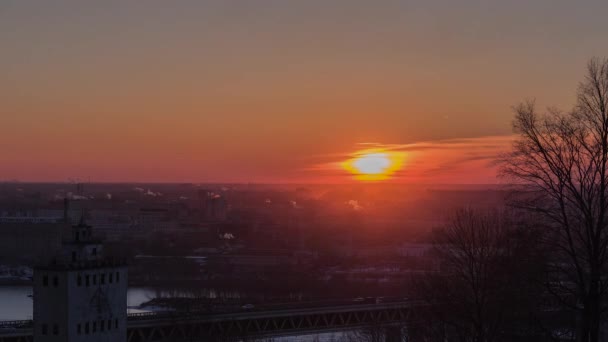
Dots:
pixel 374 164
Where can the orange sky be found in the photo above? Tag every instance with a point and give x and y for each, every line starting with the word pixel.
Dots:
pixel 275 91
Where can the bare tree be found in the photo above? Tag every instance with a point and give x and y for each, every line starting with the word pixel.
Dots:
pixel 560 163
pixel 483 281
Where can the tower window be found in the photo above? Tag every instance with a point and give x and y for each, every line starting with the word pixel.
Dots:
pixel 94 279
pixel 116 323
pixel 78 330
pixel 55 281
pixel 79 280
pixel 45 280
pixel 55 329
pixel 110 278
pixel 45 329
pixel 102 325
pixel 94 251
pixel 117 277
pixel 73 256
pixel 102 278
pixel 86 280
pixel 86 328
pixel 109 324
pixel 94 326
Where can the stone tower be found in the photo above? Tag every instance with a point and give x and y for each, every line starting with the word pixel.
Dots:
pixel 81 295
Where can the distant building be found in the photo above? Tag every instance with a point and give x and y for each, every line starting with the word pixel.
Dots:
pixel 30 242
pixel 42 213
pixel 114 225
pixel 213 206
pixel 156 220
pixel 37 232
pixel 403 250
pixel 415 249
pixel 248 262
pixel 81 295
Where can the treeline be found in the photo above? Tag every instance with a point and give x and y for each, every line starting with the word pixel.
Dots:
pixel 538 271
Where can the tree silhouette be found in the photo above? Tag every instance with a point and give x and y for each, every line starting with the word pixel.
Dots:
pixel 485 288
pixel 559 163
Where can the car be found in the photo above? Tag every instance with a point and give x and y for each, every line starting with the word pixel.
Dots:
pixel 359 300
pixel 248 307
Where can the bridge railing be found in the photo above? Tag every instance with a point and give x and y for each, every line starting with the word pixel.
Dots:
pixel 17 324
pixel 140 316
pixel 152 314
pixel 263 309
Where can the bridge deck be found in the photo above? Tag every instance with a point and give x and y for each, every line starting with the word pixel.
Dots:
pixel 269 320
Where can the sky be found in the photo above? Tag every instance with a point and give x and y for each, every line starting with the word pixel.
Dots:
pixel 279 91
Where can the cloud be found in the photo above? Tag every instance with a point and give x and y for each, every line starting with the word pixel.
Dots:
pixel 463 160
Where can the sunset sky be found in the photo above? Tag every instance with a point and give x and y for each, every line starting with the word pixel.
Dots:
pixel 279 91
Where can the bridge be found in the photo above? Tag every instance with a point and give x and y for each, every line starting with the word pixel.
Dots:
pixel 259 322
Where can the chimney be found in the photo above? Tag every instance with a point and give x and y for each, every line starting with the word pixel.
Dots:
pixel 66 209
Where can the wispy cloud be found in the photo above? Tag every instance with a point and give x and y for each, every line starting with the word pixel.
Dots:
pixel 464 160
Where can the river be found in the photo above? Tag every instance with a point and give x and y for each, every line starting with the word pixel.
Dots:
pixel 15 303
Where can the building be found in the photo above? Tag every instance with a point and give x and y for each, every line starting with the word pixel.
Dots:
pixel 415 249
pixel 112 224
pixel 248 262
pixel 156 220
pixel 81 295
pixel 37 231
pixel 213 206
pixel 30 242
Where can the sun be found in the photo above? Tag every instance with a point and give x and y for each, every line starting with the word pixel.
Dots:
pixel 373 165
